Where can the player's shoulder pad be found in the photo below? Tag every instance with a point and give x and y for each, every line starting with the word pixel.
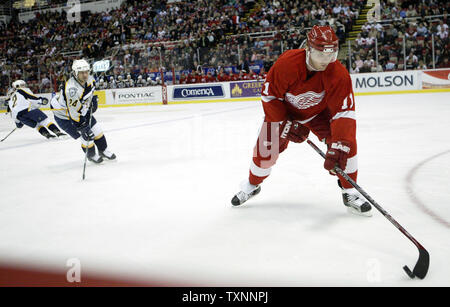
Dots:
pixel 339 70
pixel 91 81
pixel 72 89
pixel 290 62
pixel 337 74
pixel 28 94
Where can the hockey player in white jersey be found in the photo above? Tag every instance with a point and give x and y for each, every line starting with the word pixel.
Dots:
pixel 73 109
pixel 24 108
pixel 120 83
pixel 102 85
pixel 112 83
pixel 129 82
pixel 139 81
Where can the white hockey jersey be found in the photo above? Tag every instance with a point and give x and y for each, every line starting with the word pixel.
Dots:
pixel 23 99
pixel 74 99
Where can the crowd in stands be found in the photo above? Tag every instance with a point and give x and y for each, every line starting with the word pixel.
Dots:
pixel 184 77
pixel 405 40
pixel 142 37
pixel 206 32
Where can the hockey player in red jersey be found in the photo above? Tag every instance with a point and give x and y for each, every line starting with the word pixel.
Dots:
pixel 222 76
pixel 234 77
pixel 192 78
pixel 210 77
pixel 308 90
pixel 202 78
pixel 183 78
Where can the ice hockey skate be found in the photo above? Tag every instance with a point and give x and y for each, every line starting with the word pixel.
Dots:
pixel 356 203
pixel 247 191
pixel 96 158
pixel 107 154
pixel 46 133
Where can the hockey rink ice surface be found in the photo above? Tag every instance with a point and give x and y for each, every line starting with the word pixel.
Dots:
pixel 162 211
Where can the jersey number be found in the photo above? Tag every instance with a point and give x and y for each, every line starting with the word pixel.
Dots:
pixel 14 99
pixel 266 88
pixel 345 104
pixel 73 103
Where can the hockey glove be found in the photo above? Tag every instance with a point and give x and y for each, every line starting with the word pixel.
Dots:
pixel 19 125
pixel 86 133
pixel 44 101
pixel 293 131
pixel 337 155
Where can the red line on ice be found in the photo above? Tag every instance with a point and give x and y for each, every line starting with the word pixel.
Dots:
pixel 415 198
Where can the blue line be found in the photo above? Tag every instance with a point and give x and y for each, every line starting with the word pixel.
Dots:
pixel 142 125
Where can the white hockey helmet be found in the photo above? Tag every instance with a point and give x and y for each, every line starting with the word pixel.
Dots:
pixel 119 78
pixel 19 84
pixel 80 65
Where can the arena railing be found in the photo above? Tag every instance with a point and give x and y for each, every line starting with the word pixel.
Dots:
pixel 426 51
pixel 389 21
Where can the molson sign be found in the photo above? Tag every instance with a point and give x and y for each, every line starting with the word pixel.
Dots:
pixel 246 89
pixel 386 81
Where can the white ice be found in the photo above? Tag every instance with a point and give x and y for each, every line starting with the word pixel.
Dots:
pixel 162 211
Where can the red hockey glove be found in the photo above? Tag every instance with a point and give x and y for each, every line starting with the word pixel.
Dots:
pixel 337 155
pixel 293 131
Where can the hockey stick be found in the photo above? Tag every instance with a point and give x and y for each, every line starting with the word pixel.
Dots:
pixel 8 135
pixel 87 146
pixel 421 267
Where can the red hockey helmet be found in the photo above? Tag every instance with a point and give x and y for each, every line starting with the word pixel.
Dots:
pixel 323 38
pixel 323 45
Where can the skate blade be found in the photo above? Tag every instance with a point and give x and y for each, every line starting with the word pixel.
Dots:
pixel 110 161
pixel 96 163
pixel 357 212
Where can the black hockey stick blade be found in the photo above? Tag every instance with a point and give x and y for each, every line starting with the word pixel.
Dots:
pixel 421 268
pixel 408 271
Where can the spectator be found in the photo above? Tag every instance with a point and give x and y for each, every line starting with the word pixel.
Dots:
pixel 412 57
pixel 443 34
pixel 444 63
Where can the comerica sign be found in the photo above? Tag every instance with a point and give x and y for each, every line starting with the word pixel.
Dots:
pixel 192 92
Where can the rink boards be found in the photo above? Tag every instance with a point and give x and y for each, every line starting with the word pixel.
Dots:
pixel 384 83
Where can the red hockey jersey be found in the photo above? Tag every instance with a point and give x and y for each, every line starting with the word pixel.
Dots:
pixel 326 95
